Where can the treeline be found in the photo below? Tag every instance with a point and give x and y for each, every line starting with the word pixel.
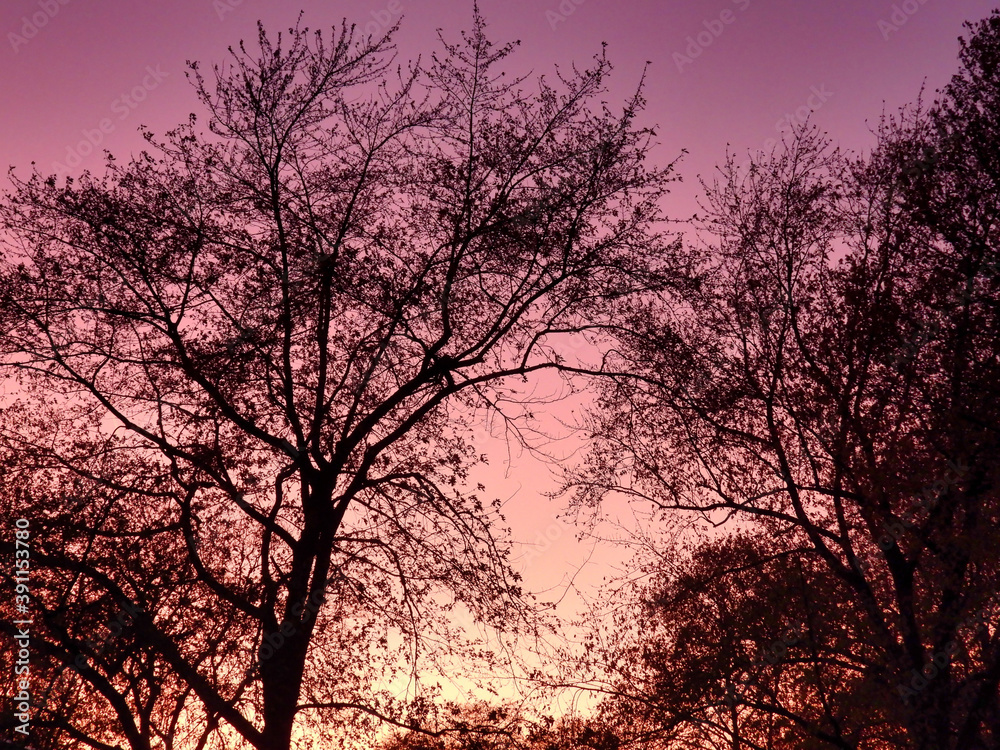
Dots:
pixel 245 373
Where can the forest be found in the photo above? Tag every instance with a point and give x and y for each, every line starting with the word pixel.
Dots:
pixel 246 374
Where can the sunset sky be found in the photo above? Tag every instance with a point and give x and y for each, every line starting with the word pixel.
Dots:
pixel 722 72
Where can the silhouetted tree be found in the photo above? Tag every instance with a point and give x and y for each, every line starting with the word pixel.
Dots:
pixel 833 389
pixel 245 370
pixel 480 726
pixel 734 646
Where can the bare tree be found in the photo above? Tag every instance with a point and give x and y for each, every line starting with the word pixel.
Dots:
pixel 247 366
pixel 833 390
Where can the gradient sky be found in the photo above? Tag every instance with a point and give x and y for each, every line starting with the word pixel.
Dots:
pixel 765 59
pixel 762 65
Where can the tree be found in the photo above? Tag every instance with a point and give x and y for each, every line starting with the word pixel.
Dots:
pixel 483 726
pixel 735 648
pixel 833 389
pixel 246 368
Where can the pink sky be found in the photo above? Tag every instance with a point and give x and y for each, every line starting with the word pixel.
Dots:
pixel 745 65
pixel 765 59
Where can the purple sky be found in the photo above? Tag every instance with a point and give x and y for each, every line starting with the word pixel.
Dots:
pixel 765 59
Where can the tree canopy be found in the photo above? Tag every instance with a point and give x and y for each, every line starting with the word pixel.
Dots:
pixel 245 371
pixel 248 362
pixel 831 393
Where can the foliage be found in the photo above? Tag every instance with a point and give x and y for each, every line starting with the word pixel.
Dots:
pixel 249 366
pixel 832 390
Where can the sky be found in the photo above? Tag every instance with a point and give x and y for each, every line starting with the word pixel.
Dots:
pixel 721 71
pixel 80 76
